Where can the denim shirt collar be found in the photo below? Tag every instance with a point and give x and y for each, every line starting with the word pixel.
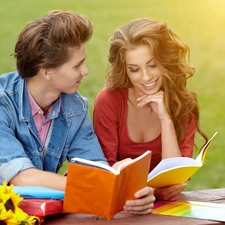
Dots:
pixel 25 112
pixel 76 107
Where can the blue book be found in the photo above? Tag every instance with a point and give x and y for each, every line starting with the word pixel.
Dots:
pixel 38 192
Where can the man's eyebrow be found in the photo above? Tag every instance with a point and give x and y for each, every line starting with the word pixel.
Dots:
pixel 78 63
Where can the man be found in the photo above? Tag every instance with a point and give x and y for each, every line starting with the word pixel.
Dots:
pixel 43 118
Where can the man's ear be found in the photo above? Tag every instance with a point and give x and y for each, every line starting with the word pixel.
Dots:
pixel 47 73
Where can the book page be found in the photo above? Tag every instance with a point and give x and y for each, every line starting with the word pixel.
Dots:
pixel 86 162
pixel 128 162
pixel 172 163
pixel 116 171
pixel 191 209
pixel 201 156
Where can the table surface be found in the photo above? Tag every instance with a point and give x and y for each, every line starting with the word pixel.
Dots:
pixel 123 218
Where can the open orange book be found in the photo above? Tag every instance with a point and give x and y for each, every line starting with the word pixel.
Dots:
pixel 176 170
pixel 98 189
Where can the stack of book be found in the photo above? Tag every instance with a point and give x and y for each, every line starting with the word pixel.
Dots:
pixel 40 201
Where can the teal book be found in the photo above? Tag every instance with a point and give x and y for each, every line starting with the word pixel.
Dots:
pixel 38 192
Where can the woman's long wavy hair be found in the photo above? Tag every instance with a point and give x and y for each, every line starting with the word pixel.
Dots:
pixel 170 54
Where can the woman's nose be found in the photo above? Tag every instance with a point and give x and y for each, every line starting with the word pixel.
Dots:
pixel 146 75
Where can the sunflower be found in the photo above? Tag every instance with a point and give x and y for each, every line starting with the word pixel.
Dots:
pixel 4 215
pixel 9 198
pixel 10 213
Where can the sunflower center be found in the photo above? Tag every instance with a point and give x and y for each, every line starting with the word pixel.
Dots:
pixel 2 222
pixel 9 205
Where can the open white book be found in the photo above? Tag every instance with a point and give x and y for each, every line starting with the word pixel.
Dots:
pixel 86 162
pixel 176 170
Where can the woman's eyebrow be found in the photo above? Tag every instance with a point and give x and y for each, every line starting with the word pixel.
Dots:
pixel 131 64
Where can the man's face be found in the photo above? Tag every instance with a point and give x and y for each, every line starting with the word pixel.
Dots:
pixel 68 76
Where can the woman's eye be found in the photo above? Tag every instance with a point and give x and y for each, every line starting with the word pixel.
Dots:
pixel 152 66
pixel 133 70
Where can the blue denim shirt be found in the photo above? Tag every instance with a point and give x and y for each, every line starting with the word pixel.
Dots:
pixel 70 135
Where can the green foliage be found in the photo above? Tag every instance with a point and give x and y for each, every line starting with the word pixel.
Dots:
pixel 199 23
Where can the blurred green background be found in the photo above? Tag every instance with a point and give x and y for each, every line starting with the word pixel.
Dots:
pixel 200 23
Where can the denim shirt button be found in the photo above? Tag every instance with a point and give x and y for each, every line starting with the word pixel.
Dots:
pixel 40 149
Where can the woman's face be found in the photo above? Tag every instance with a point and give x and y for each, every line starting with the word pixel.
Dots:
pixel 141 68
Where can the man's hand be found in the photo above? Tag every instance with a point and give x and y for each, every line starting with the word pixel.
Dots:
pixel 143 203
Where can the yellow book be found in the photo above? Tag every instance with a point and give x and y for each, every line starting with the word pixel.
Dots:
pixel 176 170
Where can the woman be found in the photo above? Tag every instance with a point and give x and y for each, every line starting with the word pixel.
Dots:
pixel 146 104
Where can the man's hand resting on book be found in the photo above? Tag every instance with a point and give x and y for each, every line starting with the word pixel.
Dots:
pixel 144 198
pixel 167 193
pixel 143 203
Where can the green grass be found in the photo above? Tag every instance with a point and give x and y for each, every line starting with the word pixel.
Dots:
pixel 199 23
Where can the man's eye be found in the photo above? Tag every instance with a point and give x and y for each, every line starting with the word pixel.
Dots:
pixel 80 64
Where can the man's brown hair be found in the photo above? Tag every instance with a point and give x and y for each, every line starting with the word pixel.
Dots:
pixel 46 42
